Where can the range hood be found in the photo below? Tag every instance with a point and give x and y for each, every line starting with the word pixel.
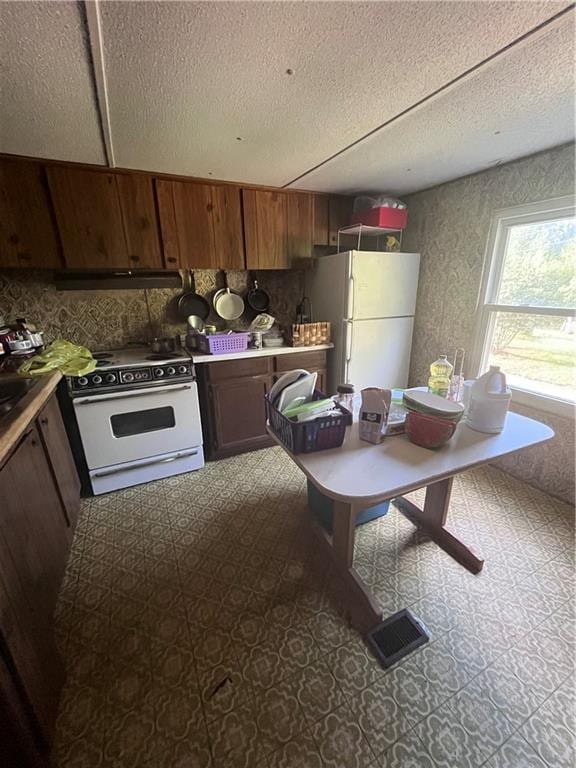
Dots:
pixel 110 280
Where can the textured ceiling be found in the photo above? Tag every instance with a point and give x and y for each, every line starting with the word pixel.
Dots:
pixel 515 105
pixel 47 106
pixel 187 80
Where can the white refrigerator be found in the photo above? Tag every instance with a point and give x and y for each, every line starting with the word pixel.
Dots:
pixel 370 299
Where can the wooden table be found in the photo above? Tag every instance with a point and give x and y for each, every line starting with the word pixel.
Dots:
pixel 360 475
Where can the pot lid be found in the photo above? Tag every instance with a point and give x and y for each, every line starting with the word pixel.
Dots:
pixel 426 402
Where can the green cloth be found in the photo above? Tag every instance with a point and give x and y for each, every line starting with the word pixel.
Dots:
pixel 70 359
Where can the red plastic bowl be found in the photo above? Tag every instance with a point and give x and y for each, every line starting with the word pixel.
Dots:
pixel 428 431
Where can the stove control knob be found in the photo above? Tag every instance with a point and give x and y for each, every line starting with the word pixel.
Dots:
pixel 158 372
pixel 182 369
pixel 96 379
pixel 110 378
pixel 128 376
pixel 171 371
pixel 82 381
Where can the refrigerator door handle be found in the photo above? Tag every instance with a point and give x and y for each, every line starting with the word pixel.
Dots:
pixel 351 297
pixel 349 332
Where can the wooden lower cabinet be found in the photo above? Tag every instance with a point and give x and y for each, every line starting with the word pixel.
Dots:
pixel 62 466
pixel 240 414
pixel 232 399
pixel 39 491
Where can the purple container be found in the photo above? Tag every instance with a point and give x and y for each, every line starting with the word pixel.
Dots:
pixel 222 343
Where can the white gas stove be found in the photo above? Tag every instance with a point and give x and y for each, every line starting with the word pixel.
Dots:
pixel 138 417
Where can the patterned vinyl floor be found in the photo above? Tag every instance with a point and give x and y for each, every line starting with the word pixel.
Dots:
pixel 201 627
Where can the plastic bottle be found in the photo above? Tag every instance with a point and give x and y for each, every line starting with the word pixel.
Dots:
pixel 489 402
pixel 440 376
pixel 345 396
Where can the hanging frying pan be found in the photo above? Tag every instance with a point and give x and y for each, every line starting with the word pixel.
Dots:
pixel 228 304
pixel 257 299
pixel 190 302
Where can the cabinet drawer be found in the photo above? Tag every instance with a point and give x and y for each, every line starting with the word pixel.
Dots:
pixel 309 361
pixel 234 369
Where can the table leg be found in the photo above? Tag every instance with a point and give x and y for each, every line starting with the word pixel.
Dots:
pixel 363 610
pixel 432 520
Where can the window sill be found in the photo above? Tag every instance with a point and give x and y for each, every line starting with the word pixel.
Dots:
pixel 543 403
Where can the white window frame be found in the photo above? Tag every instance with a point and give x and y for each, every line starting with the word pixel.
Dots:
pixel 502 221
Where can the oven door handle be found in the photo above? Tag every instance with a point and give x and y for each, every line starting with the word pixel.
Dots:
pixel 129 395
pixel 143 464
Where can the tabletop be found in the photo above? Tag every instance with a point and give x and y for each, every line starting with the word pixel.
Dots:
pixel 365 473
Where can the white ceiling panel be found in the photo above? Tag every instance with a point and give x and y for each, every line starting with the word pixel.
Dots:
pixel 185 79
pixel 520 103
pixel 47 103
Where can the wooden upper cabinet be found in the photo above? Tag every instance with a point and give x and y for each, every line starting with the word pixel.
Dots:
pixel 136 194
pixel 321 225
pixel 201 225
pixel 28 235
pixel 278 228
pixel 228 231
pixel 331 213
pixel 105 220
pixel 339 215
pixel 299 228
pixel 265 222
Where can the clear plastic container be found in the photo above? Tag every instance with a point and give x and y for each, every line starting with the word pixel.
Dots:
pixel 345 396
pixel 440 376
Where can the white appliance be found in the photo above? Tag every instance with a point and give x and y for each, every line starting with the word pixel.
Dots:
pixel 370 299
pixel 138 418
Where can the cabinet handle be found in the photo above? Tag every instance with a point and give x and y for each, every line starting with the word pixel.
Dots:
pixel 134 258
pixel 171 259
pixel 24 256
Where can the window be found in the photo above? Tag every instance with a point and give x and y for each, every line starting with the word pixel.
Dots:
pixel 527 317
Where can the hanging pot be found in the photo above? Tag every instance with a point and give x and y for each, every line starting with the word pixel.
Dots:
pixel 228 304
pixel 190 302
pixel 257 299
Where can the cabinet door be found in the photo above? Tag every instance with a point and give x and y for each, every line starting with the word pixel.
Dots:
pixel 321 381
pixel 299 228
pixel 201 225
pixel 136 196
pixel 265 229
pixel 227 223
pixel 28 235
pixel 33 553
pixel 61 462
pixel 321 225
pixel 89 217
pixel 339 215
pixel 240 413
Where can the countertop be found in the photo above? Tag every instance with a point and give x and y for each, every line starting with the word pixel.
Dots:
pixel 252 353
pixel 15 423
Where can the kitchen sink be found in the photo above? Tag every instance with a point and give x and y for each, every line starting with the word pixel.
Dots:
pixel 12 391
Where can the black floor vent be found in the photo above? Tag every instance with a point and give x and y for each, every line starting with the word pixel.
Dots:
pixel 396 637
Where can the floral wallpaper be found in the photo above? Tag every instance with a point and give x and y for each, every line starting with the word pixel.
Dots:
pixel 449 226
pixel 100 319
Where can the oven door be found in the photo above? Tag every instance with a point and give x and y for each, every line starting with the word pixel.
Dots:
pixel 127 426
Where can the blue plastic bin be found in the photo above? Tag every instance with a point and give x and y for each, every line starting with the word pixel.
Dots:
pixel 322 508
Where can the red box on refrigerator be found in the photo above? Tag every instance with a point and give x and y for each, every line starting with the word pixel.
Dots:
pixel 388 218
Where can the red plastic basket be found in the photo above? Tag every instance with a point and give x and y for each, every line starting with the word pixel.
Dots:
pixel 388 218
pixel 309 436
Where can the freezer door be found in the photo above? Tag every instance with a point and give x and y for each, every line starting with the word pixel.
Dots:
pixel 378 352
pixel 382 284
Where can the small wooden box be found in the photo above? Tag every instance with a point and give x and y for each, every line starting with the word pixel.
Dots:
pixel 310 334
